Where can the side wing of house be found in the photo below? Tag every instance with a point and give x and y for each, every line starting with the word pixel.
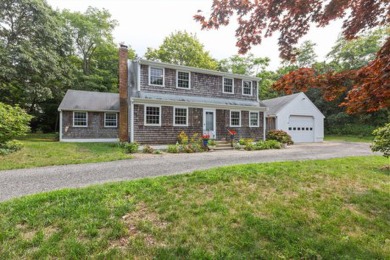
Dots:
pixel 87 116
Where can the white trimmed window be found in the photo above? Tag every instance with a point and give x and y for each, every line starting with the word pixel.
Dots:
pixel 153 115
pixel 235 118
pixel 156 76
pixel 80 119
pixel 254 119
pixel 180 116
pixel 228 86
pixel 183 79
pixel 247 88
pixel 110 119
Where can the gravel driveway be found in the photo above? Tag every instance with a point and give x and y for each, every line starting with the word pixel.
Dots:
pixel 15 183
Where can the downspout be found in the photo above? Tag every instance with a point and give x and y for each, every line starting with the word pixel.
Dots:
pixel 131 120
pixel 264 126
pixel 60 132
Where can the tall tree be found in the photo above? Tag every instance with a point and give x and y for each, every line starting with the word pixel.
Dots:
pixel 247 65
pixel 258 19
pixel 33 52
pixel 182 48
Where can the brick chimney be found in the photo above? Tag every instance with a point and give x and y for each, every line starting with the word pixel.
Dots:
pixel 123 95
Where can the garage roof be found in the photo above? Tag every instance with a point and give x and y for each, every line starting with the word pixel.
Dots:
pixel 89 101
pixel 276 104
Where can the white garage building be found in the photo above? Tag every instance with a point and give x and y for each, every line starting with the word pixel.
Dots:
pixel 296 115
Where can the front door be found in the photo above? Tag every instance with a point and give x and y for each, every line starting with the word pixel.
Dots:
pixel 209 123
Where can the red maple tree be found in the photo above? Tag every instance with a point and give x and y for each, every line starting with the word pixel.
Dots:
pixel 292 18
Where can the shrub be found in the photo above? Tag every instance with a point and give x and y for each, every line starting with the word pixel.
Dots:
pixel 280 136
pixel 237 146
pixel 270 144
pixel 157 152
pixel 13 122
pixel 196 139
pixel 245 141
pixel 147 149
pixel 10 147
pixel 182 138
pixel 249 146
pixel 212 142
pixel 131 147
pixel 381 141
pixel 173 149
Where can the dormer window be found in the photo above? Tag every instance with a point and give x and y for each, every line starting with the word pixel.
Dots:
pixel 183 79
pixel 228 86
pixel 247 88
pixel 156 76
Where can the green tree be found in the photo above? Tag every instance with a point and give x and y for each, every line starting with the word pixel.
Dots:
pixel 13 122
pixel 381 141
pixel 240 64
pixel 33 53
pixel 182 48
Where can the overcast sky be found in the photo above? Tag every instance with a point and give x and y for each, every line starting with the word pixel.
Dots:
pixel 145 23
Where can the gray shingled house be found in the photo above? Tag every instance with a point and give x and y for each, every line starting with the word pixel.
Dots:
pixel 157 101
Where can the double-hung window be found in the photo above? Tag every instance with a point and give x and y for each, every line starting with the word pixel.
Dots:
pixel 183 79
pixel 80 119
pixel 180 116
pixel 228 86
pixel 110 119
pixel 247 88
pixel 153 115
pixel 235 118
pixel 254 119
pixel 156 76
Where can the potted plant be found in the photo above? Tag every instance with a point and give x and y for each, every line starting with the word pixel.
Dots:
pixel 205 139
pixel 232 133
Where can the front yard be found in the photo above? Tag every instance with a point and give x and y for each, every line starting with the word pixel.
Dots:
pixel 44 150
pixel 336 208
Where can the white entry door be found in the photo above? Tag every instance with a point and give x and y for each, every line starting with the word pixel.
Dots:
pixel 301 129
pixel 209 123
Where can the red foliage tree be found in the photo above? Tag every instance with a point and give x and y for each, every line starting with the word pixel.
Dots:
pixel 292 18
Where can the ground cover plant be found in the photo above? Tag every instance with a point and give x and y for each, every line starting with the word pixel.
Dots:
pixel 349 138
pixel 44 150
pixel 325 209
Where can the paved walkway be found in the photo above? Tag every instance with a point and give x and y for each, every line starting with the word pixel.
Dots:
pixel 15 183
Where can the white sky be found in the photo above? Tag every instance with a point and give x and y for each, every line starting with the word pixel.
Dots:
pixel 145 23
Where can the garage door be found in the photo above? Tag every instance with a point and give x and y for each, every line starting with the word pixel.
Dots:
pixel 301 129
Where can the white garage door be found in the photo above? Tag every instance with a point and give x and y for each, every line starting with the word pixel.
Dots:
pixel 301 129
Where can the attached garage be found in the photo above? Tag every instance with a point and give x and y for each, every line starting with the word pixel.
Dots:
pixel 296 115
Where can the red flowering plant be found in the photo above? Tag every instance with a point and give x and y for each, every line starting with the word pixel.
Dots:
pixel 205 137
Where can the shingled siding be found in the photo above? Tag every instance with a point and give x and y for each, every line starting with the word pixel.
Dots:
pixel 201 85
pixel 223 123
pixel 94 130
pixel 166 133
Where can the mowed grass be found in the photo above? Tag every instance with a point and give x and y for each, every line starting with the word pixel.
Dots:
pixel 349 138
pixel 327 209
pixel 44 150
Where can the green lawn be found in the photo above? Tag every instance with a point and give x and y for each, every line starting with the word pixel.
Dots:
pixel 326 209
pixel 349 138
pixel 44 150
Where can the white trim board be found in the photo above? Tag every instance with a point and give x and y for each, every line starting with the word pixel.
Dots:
pixel 92 140
pixel 142 101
